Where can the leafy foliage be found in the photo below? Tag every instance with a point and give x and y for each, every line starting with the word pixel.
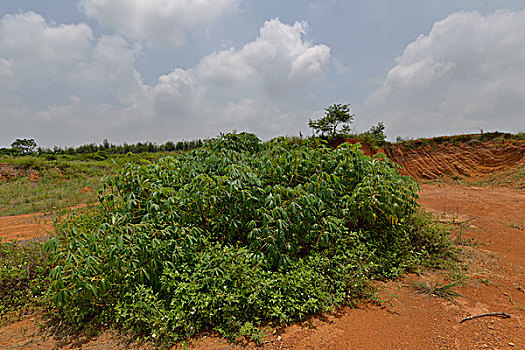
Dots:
pixel 23 272
pixel 237 233
pixel 376 134
pixel 24 146
pixel 337 119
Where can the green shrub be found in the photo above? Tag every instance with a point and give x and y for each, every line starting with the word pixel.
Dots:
pixel 23 271
pixel 235 234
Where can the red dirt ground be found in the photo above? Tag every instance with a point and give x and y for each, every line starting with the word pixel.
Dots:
pixel 493 216
pixel 465 159
pixel 27 226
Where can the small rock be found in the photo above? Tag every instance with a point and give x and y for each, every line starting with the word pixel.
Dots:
pixel 511 344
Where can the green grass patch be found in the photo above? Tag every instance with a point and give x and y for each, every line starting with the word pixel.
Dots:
pixel 41 184
pixel 48 190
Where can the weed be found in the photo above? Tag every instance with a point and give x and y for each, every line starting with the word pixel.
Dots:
pixel 515 225
pixel 437 288
pixel 519 307
pixel 486 282
pixel 23 271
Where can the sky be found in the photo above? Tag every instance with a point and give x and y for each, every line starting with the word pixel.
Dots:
pixel 80 71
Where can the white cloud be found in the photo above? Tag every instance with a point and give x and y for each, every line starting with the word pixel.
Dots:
pixel 111 69
pixel 30 47
pixel 159 22
pixel 58 77
pixel 94 91
pixel 225 68
pixel 467 73
pixel 179 95
pixel 258 116
pixel 27 35
pixel 280 58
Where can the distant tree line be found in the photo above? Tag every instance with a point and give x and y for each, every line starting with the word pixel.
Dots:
pixel 29 146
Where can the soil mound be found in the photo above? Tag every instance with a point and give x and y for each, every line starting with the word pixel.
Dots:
pixel 428 160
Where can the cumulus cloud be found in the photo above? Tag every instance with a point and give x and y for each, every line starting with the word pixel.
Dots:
pixel 59 77
pixel 94 91
pixel 467 73
pixel 262 117
pixel 280 58
pixel 158 22
pixel 29 47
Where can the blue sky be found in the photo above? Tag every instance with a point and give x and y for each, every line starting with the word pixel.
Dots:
pixel 76 72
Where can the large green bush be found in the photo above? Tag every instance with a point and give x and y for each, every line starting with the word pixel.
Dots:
pixel 236 233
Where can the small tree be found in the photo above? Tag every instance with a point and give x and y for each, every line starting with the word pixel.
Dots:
pixel 337 119
pixel 24 146
pixel 378 132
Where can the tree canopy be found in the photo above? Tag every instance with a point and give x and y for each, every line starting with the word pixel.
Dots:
pixel 337 119
pixel 25 146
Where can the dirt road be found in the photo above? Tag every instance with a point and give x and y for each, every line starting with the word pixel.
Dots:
pixel 495 219
pixel 27 226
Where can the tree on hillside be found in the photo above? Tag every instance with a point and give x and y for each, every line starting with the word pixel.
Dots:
pixel 377 133
pixel 337 119
pixel 25 146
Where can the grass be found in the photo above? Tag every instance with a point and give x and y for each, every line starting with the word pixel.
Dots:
pixel 514 177
pixel 515 224
pixel 50 192
pixel 437 288
pixel 44 185
pixel 486 282
pixel 453 139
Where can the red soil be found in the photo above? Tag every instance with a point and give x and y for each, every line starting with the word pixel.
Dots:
pixel 27 226
pixel 470 159
pixel 8 171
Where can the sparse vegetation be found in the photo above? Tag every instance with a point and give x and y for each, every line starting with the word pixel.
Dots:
pixel 453 139
pixel 515 224
pixel 48 186
pixel 437 288
pixel 34 183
